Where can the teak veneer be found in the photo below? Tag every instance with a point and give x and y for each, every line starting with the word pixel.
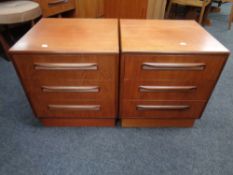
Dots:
pixel 168 72
pixel 69 70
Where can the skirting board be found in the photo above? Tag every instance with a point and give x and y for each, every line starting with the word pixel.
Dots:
pixel 150 123
pixel 78 122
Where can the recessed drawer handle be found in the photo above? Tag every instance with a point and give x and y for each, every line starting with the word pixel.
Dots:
pixel 173 66
pixel 57 2
pixel 70 89
pixel 162 107
pixel 76 107
pixel 66 66
pixel 166 88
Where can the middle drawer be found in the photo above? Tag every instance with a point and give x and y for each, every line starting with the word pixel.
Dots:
pixel 70 88
pixel 167 90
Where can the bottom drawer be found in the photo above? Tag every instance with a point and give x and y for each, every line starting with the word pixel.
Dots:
pixel 75 109
pixel 162 109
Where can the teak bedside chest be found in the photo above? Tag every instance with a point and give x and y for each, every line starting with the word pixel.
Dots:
pixel 168 71
pixel 69 70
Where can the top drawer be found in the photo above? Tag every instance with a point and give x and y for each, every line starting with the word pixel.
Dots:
pixel 67 67
pixel 53 7
pixel 172 67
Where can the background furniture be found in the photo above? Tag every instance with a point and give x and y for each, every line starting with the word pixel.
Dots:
pixel 176 69
pixel 89 8
pixel 4 45
pixel 56 7
pixel 156 9
pixel 121 8
pixel 16 12
pixel 70 80
pixel 125 9
pixel 230 17
pixel 134 8
pixel 195 3
pixel 219 2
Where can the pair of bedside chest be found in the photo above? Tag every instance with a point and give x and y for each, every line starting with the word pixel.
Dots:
pixel 90 72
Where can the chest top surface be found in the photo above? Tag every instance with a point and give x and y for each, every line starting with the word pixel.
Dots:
pixel 70 36
pixel 167 36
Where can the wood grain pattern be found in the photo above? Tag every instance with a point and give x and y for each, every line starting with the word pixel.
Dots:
pixel 157 57
pixel 201 91
pixel 153 36
pixel 89 8
pixel 34 80
pixel 56 81
pixel 136 9
pixel 213 64
pixel 111 8
pixel 43 109
pixel 70 36
pixel 120 9
pixel 106 67
pixel 106 89
pixel 130 110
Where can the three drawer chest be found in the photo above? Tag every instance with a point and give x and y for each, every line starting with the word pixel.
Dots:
pixel 91 72
pixel 69 70
pixel 168 71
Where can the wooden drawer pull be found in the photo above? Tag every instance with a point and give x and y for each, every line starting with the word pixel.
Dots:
pixel 65 66
pixel 76 107
pixel 166 88
pixel 173 66
pixel 162 107
pixel 57 2
pixel 70 88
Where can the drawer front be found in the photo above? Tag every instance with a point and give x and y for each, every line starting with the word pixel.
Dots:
pixel 173 67
pixel 79 67
pixel 66 108
pixel 167 90
pixel 52 7
pixel 162 109
pixel 83 90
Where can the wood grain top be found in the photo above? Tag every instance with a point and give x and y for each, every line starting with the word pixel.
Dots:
pixel 70 36
pixel 167 36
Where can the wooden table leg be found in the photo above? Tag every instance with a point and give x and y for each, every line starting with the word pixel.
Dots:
pixel 203 19
pixel 230 17
pixel 5 46
pixel 206 20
